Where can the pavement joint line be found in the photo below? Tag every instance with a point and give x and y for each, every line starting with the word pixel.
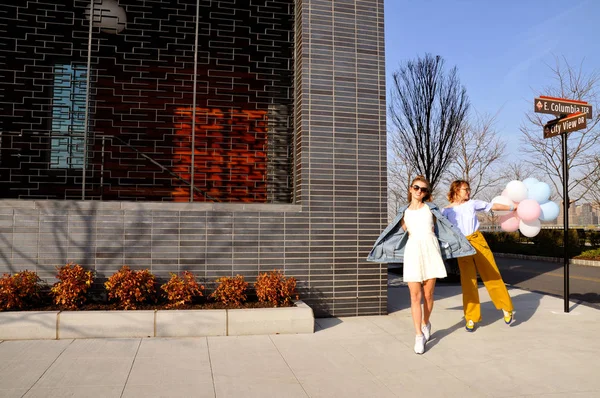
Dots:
pixel 49 366
pixel 131 367
pixel 364 366
pixel 289 367
pixel 212 372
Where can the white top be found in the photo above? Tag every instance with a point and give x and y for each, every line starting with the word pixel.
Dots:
pixel 419 221
pixel 422 257
pixel 464 215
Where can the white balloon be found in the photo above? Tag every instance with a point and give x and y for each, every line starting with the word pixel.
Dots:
pixel 516 191
pixel 503 200
pixel 108 15
pixel 530 228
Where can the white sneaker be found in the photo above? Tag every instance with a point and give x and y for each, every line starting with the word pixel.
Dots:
pixel 419 344
pixel 426 329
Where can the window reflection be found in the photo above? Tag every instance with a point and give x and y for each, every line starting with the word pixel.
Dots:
pixel 68 116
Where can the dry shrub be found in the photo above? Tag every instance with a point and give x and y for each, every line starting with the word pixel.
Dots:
pixel 182 290
pixel 19 290
pixel 74 282
pixel 275 288
pixel 231 291
pixel 130 288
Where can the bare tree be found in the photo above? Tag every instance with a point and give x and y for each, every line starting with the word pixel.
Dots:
pixel 518 170
pixel 479 152
pixel 592 185
pixel 400 174
pixel 428 109
pixel 546 155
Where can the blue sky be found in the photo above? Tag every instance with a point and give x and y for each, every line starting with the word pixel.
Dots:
pixel 500 48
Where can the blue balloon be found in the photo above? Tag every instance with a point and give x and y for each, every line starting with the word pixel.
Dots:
pixel 529 182
pixel 540 192
pixel 549 211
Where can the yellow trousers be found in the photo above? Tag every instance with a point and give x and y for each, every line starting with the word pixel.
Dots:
pixel 482 262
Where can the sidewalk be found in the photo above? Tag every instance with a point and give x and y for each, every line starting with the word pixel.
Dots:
pixel 545 353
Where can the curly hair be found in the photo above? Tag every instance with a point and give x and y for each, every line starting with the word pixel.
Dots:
pixel 427 197
pixel 455 187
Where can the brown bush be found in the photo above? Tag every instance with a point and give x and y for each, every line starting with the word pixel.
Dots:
pixel 74 282
pixel 275 288
pixel 231 290
pixel 19 290
pixel 130 288
pixel 182 290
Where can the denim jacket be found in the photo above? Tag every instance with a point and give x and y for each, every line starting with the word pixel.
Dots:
pixel 389 247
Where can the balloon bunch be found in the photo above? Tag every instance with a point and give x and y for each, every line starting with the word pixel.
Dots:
pixel 534 206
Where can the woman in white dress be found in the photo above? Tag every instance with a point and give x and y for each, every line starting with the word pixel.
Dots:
pixel 423 262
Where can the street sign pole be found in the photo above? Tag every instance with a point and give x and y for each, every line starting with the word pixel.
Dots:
pixel 565 220
pixel 572 115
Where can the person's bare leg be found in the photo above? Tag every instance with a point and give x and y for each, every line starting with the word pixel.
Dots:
pixel 428 288
pixel 416 295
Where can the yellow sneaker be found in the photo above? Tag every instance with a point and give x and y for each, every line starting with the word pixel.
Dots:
pixel 508 316
pixel 470 326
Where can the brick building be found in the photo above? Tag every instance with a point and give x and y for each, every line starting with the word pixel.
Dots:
pixel 219 137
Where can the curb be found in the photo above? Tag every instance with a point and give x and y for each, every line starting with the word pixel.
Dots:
pixel 573 261
pixel 56 325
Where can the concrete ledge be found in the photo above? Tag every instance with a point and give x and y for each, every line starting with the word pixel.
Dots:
pixel 289 320
pixel 191 323
pixel 28 325
pixel 86 324
pixel 93 205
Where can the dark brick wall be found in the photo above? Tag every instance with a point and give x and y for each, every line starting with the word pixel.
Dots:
pixel 307 113
pixel 150 86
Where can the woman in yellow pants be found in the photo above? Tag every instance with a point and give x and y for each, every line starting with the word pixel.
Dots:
pixel 462 212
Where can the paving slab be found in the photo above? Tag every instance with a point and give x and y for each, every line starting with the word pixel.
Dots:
pixel 251 366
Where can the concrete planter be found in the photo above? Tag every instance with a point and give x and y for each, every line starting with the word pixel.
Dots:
pixel 298 319
pixel 27 325
pixel 191 323
pixel 92 324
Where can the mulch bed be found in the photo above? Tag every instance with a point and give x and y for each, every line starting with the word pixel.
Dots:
pixel 47 305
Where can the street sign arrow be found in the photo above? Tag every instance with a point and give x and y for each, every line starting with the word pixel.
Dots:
pixel 561 106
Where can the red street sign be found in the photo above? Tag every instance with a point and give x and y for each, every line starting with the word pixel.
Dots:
pixel 561 106
pixel 565 125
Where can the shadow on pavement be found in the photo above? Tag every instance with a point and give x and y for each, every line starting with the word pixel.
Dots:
pixel 439 334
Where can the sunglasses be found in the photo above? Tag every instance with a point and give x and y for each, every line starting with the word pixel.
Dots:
pixel 422 189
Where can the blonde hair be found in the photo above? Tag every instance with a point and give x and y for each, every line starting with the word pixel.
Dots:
pixel 455 187
pixel 427 197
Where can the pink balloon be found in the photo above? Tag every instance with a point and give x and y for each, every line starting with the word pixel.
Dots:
pixel 504 193
pixel 529 210
pixel 510 223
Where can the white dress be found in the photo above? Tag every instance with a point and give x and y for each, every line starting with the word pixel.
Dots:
pixel 422 257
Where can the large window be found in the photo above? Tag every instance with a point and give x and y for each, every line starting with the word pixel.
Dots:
pixel 68 116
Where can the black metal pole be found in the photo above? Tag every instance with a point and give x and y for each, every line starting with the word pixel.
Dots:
pixel 566 219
